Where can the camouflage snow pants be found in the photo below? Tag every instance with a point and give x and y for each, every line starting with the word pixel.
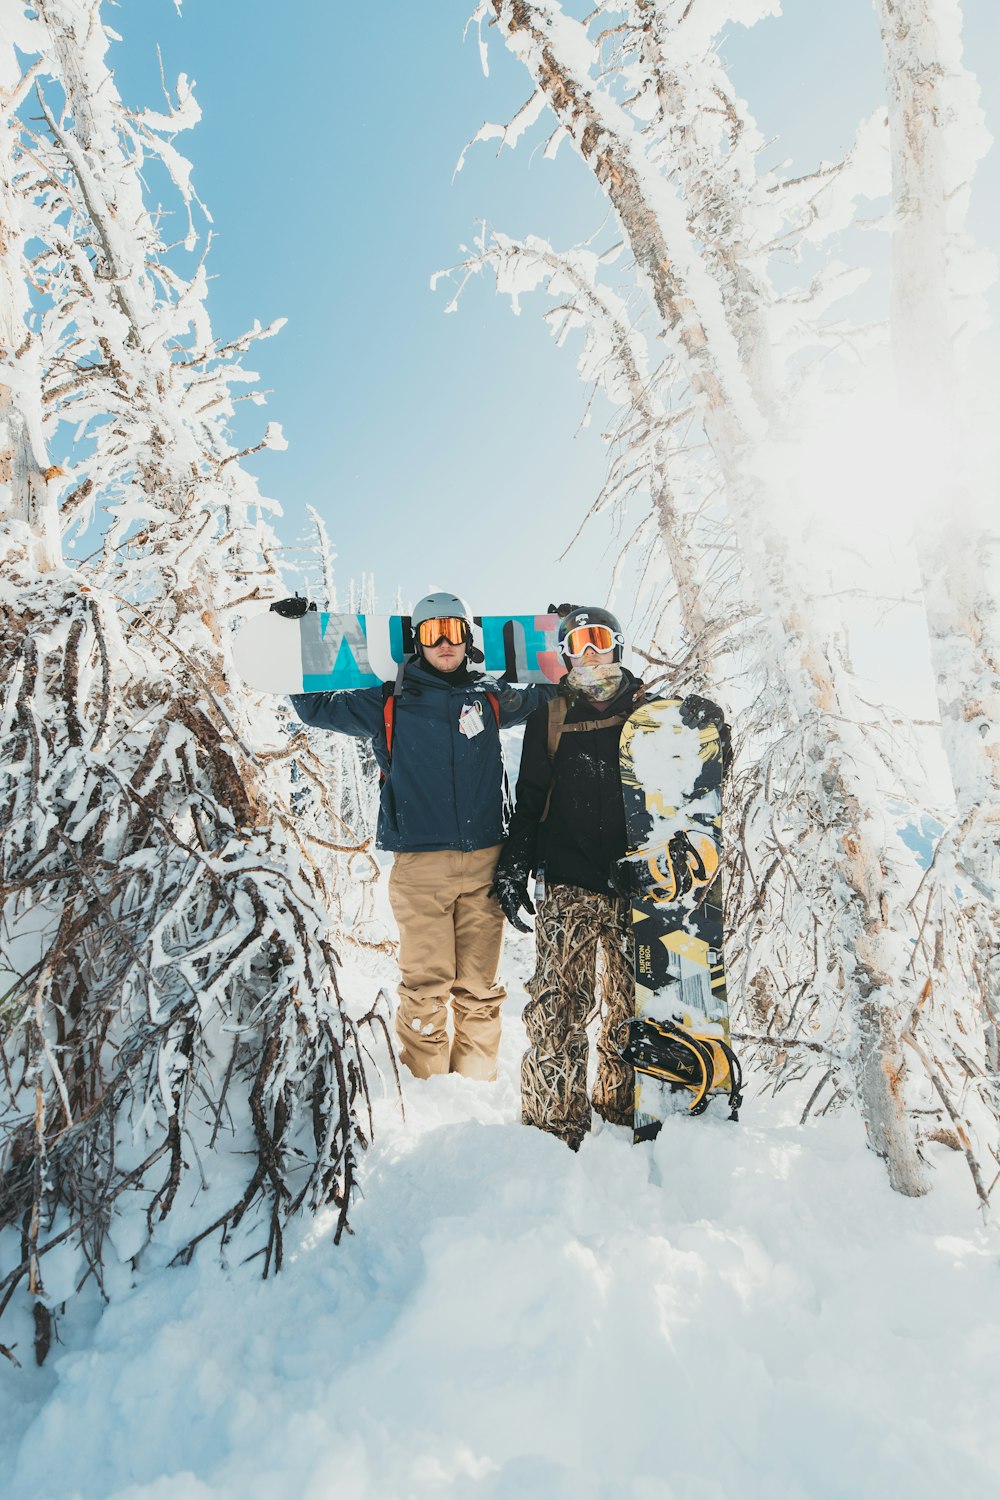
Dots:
pixel 570 925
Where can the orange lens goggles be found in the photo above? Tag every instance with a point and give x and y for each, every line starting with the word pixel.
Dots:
pixel 598 637
pixel 433 632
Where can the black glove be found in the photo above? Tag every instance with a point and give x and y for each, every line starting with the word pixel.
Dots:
pixel 510 887
pixel 698 713
pixel 510 883
pixel 291 609
pixel 629 878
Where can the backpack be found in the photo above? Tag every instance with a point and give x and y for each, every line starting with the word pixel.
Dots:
pixel 389 696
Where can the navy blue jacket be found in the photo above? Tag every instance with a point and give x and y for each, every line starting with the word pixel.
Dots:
pixel 443 789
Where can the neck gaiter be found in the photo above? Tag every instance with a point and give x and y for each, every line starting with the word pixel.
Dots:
pixel 599 682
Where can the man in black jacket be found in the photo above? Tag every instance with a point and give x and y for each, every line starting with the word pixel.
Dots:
pixel 569 824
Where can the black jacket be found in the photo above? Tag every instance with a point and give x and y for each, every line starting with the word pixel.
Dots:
pixel 584 832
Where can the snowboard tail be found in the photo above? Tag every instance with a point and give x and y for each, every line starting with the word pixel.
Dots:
pixel 684 1060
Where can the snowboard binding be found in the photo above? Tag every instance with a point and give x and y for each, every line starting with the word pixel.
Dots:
pixel 674 1055
pixel 687 865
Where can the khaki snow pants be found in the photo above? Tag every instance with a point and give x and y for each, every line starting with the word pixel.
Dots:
pixel 570 926
pixel 450 937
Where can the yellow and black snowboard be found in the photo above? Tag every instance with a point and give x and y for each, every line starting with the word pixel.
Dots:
pixel 678 1039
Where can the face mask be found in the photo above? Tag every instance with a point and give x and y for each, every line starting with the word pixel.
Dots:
pixel 600 681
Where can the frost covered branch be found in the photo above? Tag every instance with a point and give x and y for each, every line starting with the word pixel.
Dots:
pixel 178 1059
pixel 826 946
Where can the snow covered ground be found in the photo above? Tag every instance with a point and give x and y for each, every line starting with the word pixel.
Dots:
pixel 736 1311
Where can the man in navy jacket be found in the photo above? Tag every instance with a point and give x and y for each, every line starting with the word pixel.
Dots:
pixel 443 813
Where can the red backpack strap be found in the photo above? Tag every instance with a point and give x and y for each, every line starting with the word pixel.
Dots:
pixel 388 716
pixel 495 704
pixel 390 692
pixel 389 720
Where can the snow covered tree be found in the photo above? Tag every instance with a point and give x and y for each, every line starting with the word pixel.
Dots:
pixel 714 430
pixel 172 1028
pixel 937 136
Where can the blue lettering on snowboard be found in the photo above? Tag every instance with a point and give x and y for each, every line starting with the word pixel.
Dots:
pixel 335 658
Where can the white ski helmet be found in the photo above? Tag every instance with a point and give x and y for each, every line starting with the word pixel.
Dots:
pixel 447 606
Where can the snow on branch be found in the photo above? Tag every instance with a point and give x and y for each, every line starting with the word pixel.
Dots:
pixel 178 874
pixel 509 134
pixel 756 366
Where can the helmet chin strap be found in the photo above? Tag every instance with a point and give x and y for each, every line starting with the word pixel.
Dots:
pixel 472 651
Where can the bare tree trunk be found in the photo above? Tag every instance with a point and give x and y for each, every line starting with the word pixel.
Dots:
pixel 715 216
pixel 932 112
pixel 936 134
pixel 691 309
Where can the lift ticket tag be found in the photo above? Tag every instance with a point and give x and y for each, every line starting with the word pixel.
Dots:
pixel 470 720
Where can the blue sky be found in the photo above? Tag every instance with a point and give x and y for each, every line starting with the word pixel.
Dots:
pixel 441 450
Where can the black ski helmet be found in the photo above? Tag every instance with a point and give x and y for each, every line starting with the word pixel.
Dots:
pixel 591 615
